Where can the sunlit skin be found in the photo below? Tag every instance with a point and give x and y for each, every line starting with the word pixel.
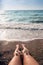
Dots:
pixel 27 58
pixel 16 59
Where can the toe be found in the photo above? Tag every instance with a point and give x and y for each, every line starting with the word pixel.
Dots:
pixel 17 46
pixel 23 46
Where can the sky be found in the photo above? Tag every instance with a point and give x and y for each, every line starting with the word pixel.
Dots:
pixel 21 4
pixel 0 4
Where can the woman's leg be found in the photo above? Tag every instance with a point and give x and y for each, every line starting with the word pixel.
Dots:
pixel 16 59
pixel 27 58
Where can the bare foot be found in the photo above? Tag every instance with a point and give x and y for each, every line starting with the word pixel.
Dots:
pixel 25 50
pixel 17 51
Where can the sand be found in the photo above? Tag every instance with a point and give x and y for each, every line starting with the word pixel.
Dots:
pixel 7 48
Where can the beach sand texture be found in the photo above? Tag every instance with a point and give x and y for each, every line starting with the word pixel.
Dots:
pixel 7 48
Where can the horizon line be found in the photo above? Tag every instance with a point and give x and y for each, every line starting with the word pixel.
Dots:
pixel 20 9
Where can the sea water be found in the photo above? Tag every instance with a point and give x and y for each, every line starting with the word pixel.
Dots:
pixel 21 24
pixel 28 16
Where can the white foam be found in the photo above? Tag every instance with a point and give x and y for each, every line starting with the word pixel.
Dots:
pixel 21 34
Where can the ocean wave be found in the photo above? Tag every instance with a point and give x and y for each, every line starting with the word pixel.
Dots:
pixel 22 26
pixel 32 16
pixel 37 21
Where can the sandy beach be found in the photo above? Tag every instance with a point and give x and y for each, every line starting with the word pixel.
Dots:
pixel 7 48
pixel 14 33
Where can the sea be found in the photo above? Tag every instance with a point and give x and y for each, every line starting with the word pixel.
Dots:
pixel 21 25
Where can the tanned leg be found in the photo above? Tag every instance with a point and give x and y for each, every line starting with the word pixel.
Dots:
pixel 27 58
pixel 16 59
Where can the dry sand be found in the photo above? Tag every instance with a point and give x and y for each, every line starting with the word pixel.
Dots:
pixel 7 48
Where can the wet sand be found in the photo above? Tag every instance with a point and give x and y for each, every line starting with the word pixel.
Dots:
pixel 7 48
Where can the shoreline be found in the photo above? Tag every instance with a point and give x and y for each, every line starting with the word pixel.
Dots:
pixel 21 40
pixel 11 31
